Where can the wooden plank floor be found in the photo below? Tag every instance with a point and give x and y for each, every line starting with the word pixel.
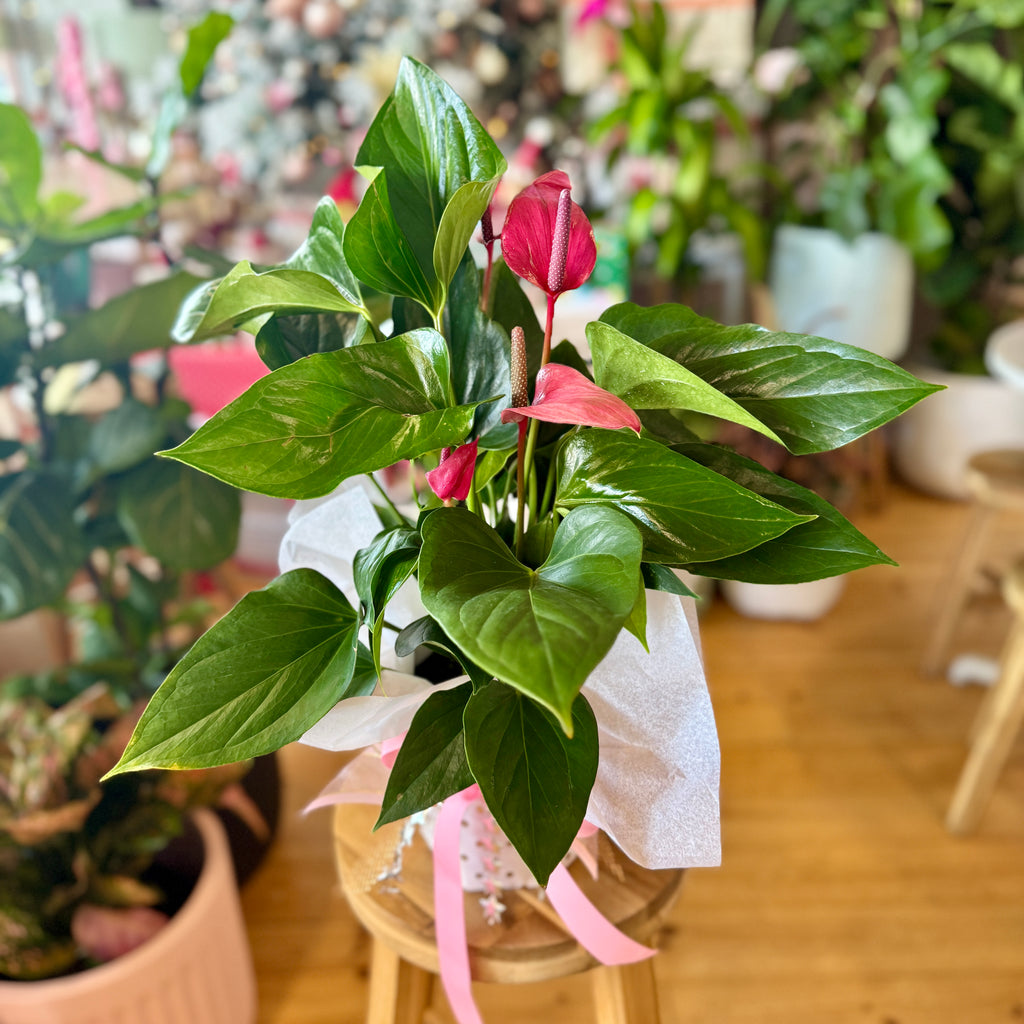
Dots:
pixel 841 898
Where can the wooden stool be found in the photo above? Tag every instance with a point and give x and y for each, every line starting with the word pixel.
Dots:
pixel 530 943
pixel 995 480
pixel 998 722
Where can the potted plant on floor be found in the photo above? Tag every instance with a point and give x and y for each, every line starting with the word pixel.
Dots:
pixel 856 101
pixel 975 291
pixel 106 903
pixel 555 506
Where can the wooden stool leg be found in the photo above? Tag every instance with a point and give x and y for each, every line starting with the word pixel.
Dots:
pixel 399 991
pixel 957 589
pixel 625 995
pixel 1003 714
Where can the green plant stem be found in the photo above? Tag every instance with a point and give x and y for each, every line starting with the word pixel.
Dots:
pixel 520 487
pixel 384 494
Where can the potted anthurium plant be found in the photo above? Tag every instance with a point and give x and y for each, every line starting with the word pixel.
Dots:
pixel 561 495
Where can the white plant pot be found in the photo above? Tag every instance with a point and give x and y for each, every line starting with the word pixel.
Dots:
pixel 196 970
pixel 934 440
pixel 858 293
pixel 796 602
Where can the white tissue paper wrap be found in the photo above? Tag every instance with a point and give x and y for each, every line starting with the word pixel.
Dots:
pixel 656 793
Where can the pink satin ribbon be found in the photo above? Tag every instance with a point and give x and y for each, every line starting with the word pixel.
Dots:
pixel 587 925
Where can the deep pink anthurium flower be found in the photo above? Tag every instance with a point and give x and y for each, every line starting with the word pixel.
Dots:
pixel 564 395
pixel 547 238
pixel 454 477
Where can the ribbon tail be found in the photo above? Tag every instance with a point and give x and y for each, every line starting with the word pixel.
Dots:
pixel 591 929
pixel 449 910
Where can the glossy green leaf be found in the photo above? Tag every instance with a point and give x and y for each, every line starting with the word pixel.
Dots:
pixel 380 254
pixel 686 513
pixel 378 571
pixel 302 429
pixel 136 321
pixel 827 545
pixel 431 763
pixel 286 339
pixel 480 351
pixel 323 250
pixel 542 631
pixel 220 308
pixel 183 518
pixel 661 577
pixel 41 545
pixel 814 393
pixel 426 632
pixel 535 780
pixel 458 222
pixel 21 167
pixel 258 679
pixel 433 148
pixel 646 379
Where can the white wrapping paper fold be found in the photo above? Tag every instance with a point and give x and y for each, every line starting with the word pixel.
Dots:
pixel 656 793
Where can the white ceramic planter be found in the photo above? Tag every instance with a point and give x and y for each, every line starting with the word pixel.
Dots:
pixel 795 602
pixel 196 970
pixel 859 293
pixel 933 440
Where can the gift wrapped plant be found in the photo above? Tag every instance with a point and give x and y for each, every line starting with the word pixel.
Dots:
pixel 554 488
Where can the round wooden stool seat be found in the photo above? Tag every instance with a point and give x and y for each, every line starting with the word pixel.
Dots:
pixel 997 477
pixel 529 944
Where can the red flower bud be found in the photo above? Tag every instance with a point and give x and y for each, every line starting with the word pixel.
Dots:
pixel 454 477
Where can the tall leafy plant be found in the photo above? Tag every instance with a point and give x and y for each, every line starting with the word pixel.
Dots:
pixel 558 492
pixel 697 142
pixel 82 494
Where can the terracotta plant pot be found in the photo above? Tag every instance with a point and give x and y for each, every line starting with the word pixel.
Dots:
pixel 196 970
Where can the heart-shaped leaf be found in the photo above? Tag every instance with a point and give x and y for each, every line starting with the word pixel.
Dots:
pixel 543 630
pixel 185 519
pixel 660 577
pixel 431 763
pixel 300 430
pixel 685 512
pixel 646 379
pixel 258 679
pixel 219 308
pixel 535 780
pixel 827 545
pixel 41 545
pixel 323 251
pixel 814 393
